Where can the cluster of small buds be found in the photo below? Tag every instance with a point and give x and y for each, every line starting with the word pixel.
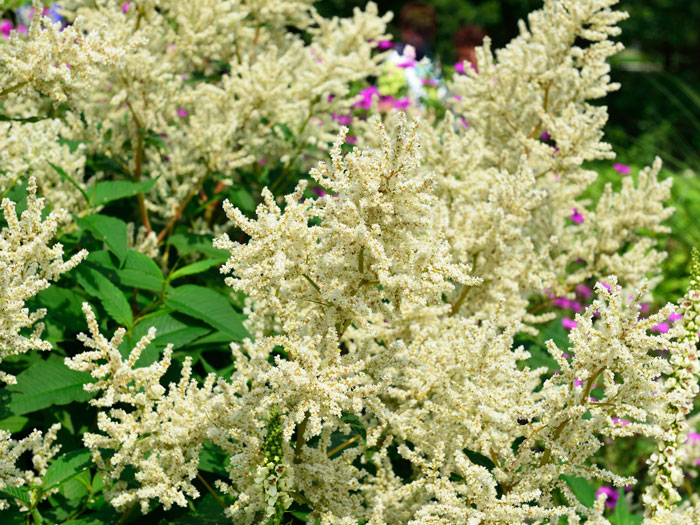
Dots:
pixel 666 464
pixel 42 449
pixel 273 476
pixel 28 262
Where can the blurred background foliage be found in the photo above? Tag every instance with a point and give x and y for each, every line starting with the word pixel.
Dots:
pixel 656 112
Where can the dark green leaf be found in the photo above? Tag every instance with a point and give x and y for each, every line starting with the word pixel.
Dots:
pixel 354 421
pixel 479 459
pixel 141 272
pixel 581 489
pixel 48 383
pixel 66 467
pixel 208 306
pixel 68 178
pixel 110 230
pixel 111 297
pixel 197 267
pixel 108 191
pixel 187 243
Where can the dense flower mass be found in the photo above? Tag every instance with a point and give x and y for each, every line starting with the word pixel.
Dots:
pixel 382 373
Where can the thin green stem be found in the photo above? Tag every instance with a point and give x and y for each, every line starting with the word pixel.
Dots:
pixel 211 490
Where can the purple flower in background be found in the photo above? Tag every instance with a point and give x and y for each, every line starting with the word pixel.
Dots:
pixel 402 103
pixel 644 307
pixel 351 139
pixel 611 494
pixel 584 292
pixel 576 216
pixel 5 28
pixel 457 98
pixel 621 422
pixel 545 135
pixel 343 120
pixel 406 64
pixel 429 82
pixel 459 68
pixel 661 328
pixel 674 317
pixel 464 122
pixel 262 161
pixel 569 324
pixel 181 112
pixel 605 285
pixel 366 101
pixel 561 302
pixel 383 45
pixel 318 191
pixel 694 437
pixel 621 168
pixel 578 382
pixel 125 6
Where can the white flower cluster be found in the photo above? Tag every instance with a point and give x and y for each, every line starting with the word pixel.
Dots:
pixel 161 434
pixel 42 451
pixel 28 262
pixel 382 383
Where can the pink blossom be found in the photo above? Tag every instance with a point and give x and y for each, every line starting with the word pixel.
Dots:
pixel 429 82
pixel 575 306
pixel 674 317
pixel 125 6
pixel 611 494
pixel 661 328
pixel 694 437
pixel 262 161
pixel 458 98
pixel 318 191
pixel 576 216
pixel 566 356
pixel 569 324
pixel 367 94
pixel 21 28
pixel 351 139
pixel 459 68
pixel 406 64
pixel 644 307
pixel 621 168
pixel 561 302
pixel 605 285
pixel 621 422
pixel 545 135
pixel 402 103
pixel 583 291
pixel 330 97
pixel 343 120
pixel 464 122
pixel 181 112
pixel 383 45
pixel 5 28
pixel 578 382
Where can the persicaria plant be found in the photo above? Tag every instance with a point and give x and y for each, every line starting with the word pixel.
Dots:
pixel 372 354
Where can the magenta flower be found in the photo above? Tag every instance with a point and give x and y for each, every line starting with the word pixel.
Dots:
pixel 331 97
pixel 459 68
pixel 457 98
pixel 181 112
pixel 5 28
pixel 644 307
pixel 576 216
pixel 569 324
pixel 621 168
pixel 383 45
pixel 351 139
pixel 674 317
pixel 621 422
pixel 611 494
pixel 578 382
pixel 406 64
pixel 429 82
pixel 605 285
pixel 464 122
pixel 694 437
pixel 125 6
pixel 584 292
pixel 318 191
pixel 402 103
pixel 343 120
pixel 561 302
pixel 545 135
pixel 366 101
pixel 262 161
pixel 661 328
